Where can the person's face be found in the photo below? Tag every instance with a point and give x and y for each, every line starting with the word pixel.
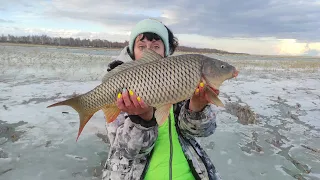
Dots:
pixel 154 45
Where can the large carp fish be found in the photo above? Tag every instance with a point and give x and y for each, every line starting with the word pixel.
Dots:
pixel 159 81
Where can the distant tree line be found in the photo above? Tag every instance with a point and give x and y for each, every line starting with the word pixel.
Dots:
pixel 97 43
pixel 59 41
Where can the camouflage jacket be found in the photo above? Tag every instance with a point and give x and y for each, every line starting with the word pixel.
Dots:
pixel 132 139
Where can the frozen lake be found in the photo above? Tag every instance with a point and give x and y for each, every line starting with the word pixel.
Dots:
pixel 280 94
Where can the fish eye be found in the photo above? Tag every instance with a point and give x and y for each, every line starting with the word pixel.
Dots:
pixel 222 66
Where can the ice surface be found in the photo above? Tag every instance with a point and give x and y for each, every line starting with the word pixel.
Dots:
pixel 39 143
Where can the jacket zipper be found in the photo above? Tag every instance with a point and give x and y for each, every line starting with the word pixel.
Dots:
pixel 195 174
pixel 171 150
pixel 193 171
pixel 170 160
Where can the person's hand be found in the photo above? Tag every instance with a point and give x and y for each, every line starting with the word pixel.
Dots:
pixel 198 100
pixel 132 104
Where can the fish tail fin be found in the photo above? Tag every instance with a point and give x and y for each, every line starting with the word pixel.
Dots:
pixel 84 115
pixel 72 102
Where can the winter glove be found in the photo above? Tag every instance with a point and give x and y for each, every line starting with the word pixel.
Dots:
pixel 114 64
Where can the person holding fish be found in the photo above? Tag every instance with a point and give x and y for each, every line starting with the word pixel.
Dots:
pixel 142 149
pixel 155 105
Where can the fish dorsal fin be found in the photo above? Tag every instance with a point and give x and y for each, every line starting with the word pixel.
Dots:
pixel 147 56
pixel 119 68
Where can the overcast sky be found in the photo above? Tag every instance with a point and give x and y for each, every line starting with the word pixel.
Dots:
pixel 251 26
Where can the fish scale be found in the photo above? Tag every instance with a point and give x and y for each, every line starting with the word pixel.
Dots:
pixel 160 82
pixel 153 76
pixel 182 82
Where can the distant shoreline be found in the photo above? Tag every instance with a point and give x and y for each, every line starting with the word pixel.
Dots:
pixel 99 44
pixel 190 49
pixel 54 46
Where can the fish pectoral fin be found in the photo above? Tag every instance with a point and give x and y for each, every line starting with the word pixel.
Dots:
pixel 162 113
pixel 111 113
pixel 212 97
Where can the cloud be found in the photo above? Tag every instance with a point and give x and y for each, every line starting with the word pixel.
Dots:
pixel 274 26
pixel 253 18
pixel 15 4
pixel 289 19
pixel 117 16
pixel 291 46
pixel 6 21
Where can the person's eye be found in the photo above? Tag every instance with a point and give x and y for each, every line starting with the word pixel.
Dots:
pixel 141 47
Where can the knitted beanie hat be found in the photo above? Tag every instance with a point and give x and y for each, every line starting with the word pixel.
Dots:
pixel 153 26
